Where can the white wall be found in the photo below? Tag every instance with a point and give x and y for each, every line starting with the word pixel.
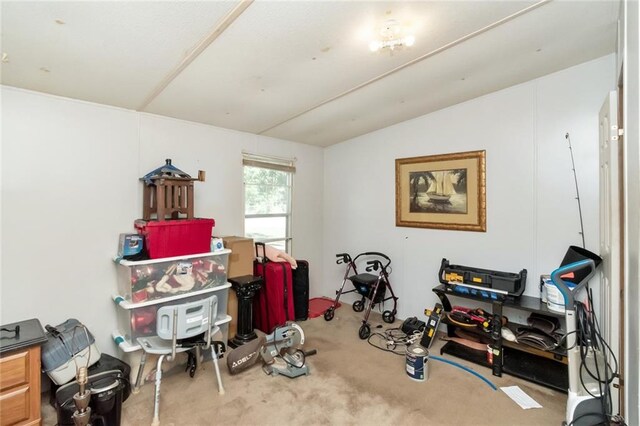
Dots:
pixel 70 185
pixel 532 216
pixel 632 207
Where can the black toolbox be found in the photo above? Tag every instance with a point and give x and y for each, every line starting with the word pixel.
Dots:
pixel 512 284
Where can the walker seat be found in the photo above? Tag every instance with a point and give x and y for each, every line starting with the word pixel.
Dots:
pixel 364 286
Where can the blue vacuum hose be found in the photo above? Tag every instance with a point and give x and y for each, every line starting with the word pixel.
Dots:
pixel 455 364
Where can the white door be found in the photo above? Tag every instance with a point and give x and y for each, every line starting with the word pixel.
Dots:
pixel 610 229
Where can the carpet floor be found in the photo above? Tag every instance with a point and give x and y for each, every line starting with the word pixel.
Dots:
pixel 350 383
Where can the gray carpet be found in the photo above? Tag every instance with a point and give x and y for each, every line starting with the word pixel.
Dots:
pixel 351 383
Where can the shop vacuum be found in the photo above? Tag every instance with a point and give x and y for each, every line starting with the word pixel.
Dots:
pixel 590 373
pixel 108 384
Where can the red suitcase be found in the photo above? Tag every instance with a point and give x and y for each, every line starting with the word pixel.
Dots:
pixel 273 305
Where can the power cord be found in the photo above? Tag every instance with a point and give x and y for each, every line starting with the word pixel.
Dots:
pixel 394 340
pixel 591 341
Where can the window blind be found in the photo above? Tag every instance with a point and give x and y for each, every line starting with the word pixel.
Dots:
pixel 268 162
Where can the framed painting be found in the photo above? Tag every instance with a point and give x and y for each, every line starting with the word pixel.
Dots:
pixel 442 191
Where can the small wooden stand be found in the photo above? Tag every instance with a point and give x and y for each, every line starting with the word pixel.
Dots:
pixel 169 195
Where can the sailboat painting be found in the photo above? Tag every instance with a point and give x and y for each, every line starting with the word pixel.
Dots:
pixel 438 191
pixel 442 191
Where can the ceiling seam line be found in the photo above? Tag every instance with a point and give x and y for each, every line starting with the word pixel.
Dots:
pixel 414 61
pixel 224 23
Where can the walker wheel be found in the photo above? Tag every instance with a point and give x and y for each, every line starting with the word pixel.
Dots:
pixel 358 306
pixel 365 331
pixel 388 317
pixel 328 314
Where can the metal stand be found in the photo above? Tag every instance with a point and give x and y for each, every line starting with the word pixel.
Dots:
pixel 246 288
pixel 81 399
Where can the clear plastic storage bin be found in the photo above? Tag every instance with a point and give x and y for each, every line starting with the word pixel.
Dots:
pixel 139 319
pixel 147 280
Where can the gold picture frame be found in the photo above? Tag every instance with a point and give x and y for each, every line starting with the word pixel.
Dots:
pixel 445 191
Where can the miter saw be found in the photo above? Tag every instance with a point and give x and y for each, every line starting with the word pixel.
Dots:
pixel 281 352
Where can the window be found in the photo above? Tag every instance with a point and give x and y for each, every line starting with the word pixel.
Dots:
pixel 267 200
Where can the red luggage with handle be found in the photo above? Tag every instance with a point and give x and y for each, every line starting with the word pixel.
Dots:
pixel 273 305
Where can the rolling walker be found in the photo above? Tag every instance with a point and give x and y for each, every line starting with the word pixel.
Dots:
pixel 371 287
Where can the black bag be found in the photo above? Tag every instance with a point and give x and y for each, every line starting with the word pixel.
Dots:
pixel 300 277
pixel 108 381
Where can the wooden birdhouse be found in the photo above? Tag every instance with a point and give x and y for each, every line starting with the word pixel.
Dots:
pixel 168 193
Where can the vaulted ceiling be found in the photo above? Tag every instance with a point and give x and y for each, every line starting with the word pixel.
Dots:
pixel 295 70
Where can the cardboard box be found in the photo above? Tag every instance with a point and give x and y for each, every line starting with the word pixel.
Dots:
pixel 242 255
pixel 240 263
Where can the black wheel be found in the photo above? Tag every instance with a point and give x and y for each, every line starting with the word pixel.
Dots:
pixel 191 364
pixel 388 317
pixel 328 314
pixel 358 306
pixel 365 331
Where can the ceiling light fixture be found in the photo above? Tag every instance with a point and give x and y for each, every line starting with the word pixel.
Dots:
pixel 392 37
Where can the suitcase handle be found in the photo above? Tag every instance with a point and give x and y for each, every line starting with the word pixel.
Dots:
pixel 264 252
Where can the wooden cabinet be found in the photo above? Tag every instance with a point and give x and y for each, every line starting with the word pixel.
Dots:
pixel 20 380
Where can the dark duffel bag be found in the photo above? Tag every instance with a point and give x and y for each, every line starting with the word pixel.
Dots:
pixel 108 381
pixel 300 277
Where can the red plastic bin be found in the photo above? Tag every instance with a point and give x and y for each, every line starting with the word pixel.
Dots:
pixel 170 238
